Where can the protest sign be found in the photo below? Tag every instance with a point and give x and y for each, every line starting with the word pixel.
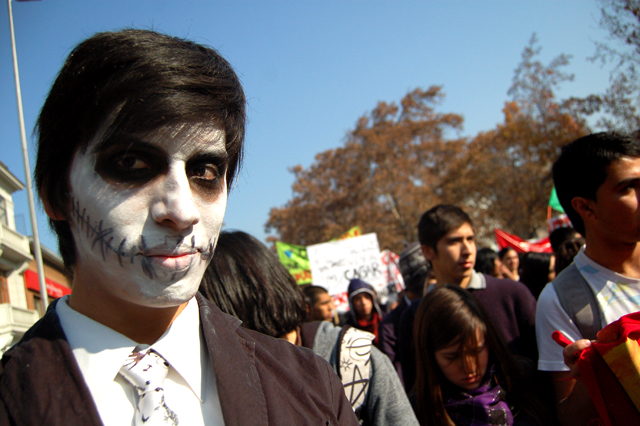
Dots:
pixel 294 258
pixel 335 263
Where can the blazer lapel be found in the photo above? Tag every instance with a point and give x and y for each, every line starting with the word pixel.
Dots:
pixel 234 364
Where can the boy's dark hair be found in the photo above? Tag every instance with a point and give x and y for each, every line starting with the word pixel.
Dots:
pixel 311 293
pixel 131 82
pixel 245 279
pixel 438 221
pixel 582 167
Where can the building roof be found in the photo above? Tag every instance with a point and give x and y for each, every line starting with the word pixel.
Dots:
pixel 8 180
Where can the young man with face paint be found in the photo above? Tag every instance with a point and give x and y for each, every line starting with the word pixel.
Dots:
pixel 139 141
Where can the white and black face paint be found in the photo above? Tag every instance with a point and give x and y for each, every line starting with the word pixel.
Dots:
pixel 146 212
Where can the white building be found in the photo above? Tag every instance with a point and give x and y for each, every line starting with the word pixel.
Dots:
pixel 15 257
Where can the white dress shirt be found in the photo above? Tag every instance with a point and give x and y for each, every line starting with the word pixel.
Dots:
pixel 190 387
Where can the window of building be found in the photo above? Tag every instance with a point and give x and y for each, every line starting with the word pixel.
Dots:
pixel 4 290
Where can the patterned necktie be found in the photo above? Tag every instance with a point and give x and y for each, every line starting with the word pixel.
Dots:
pixel 146 371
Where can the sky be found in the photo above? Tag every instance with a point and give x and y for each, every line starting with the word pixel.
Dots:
pixel 310 69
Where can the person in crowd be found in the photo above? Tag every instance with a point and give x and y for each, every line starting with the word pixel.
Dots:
pixel 596 178
pixel 488 263
pixel 364 311
pixel 510 263
pixel 246 280
pixel 465 373
pixel 560 235
pixel 415 271
pixel 566 243
pixel 566 252
pixel 448 242
pixel 537 269
pixel 319 303
pixel 139 141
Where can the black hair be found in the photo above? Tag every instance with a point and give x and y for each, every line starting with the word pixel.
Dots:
pixel 534 271
pixel 582 167
pixel 414 268
pixel 486 261
pixel 245 279
pixel 560 235
pixel 131 82
pixel 311 293
pixel 445 314
pixel 566 252
pixel 438 221
pixel 504 250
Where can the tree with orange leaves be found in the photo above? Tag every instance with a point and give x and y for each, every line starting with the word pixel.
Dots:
pixel 382 179
pixel 398 162
pixel 504 178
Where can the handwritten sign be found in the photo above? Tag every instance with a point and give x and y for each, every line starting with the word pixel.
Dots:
pixel 335 263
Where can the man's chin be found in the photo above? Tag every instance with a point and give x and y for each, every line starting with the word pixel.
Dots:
pixel 168 297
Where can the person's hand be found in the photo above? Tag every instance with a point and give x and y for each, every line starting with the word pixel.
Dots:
pixel 572 353
pixel 506 272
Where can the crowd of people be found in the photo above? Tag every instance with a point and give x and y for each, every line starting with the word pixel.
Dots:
pixel 171 321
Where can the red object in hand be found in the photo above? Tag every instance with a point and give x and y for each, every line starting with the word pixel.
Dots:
pixel 615 406
pixel 560 339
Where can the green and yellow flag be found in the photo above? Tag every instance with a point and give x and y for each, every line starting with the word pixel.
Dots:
pixel 295 259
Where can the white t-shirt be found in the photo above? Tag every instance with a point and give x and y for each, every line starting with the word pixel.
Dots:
pixel 190 388
pixel 616 294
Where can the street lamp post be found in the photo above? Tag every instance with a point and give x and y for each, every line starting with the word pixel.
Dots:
pixel 27 170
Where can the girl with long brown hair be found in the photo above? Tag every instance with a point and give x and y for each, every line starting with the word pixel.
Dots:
pixel 465 373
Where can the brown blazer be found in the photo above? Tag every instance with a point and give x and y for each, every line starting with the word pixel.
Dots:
pixel 260 380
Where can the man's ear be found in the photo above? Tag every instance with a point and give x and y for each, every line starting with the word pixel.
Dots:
pixel 51 212
pixel 584 207
pixel 428 252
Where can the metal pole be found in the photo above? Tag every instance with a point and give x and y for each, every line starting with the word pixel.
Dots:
pixel 27 171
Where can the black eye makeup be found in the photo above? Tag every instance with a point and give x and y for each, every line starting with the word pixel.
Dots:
pixel 131 162
pixel 207 171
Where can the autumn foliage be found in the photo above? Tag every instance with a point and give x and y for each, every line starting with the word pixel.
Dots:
pixel 401 159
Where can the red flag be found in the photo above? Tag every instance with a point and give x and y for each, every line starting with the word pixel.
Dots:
pixel 609 369
pixel 504 239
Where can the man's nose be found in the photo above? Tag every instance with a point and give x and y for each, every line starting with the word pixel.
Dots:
pixel 175 207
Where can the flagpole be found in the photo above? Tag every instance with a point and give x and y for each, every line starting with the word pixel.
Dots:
pixel 27 170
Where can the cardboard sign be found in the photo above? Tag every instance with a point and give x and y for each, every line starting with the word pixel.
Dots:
pixel 335 263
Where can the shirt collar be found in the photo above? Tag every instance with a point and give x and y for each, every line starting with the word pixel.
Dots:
pixel 477 281
pixel 101 351
pixel 181 346
pixel 407 300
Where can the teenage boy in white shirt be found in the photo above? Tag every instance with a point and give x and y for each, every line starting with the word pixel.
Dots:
pixel 597 179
